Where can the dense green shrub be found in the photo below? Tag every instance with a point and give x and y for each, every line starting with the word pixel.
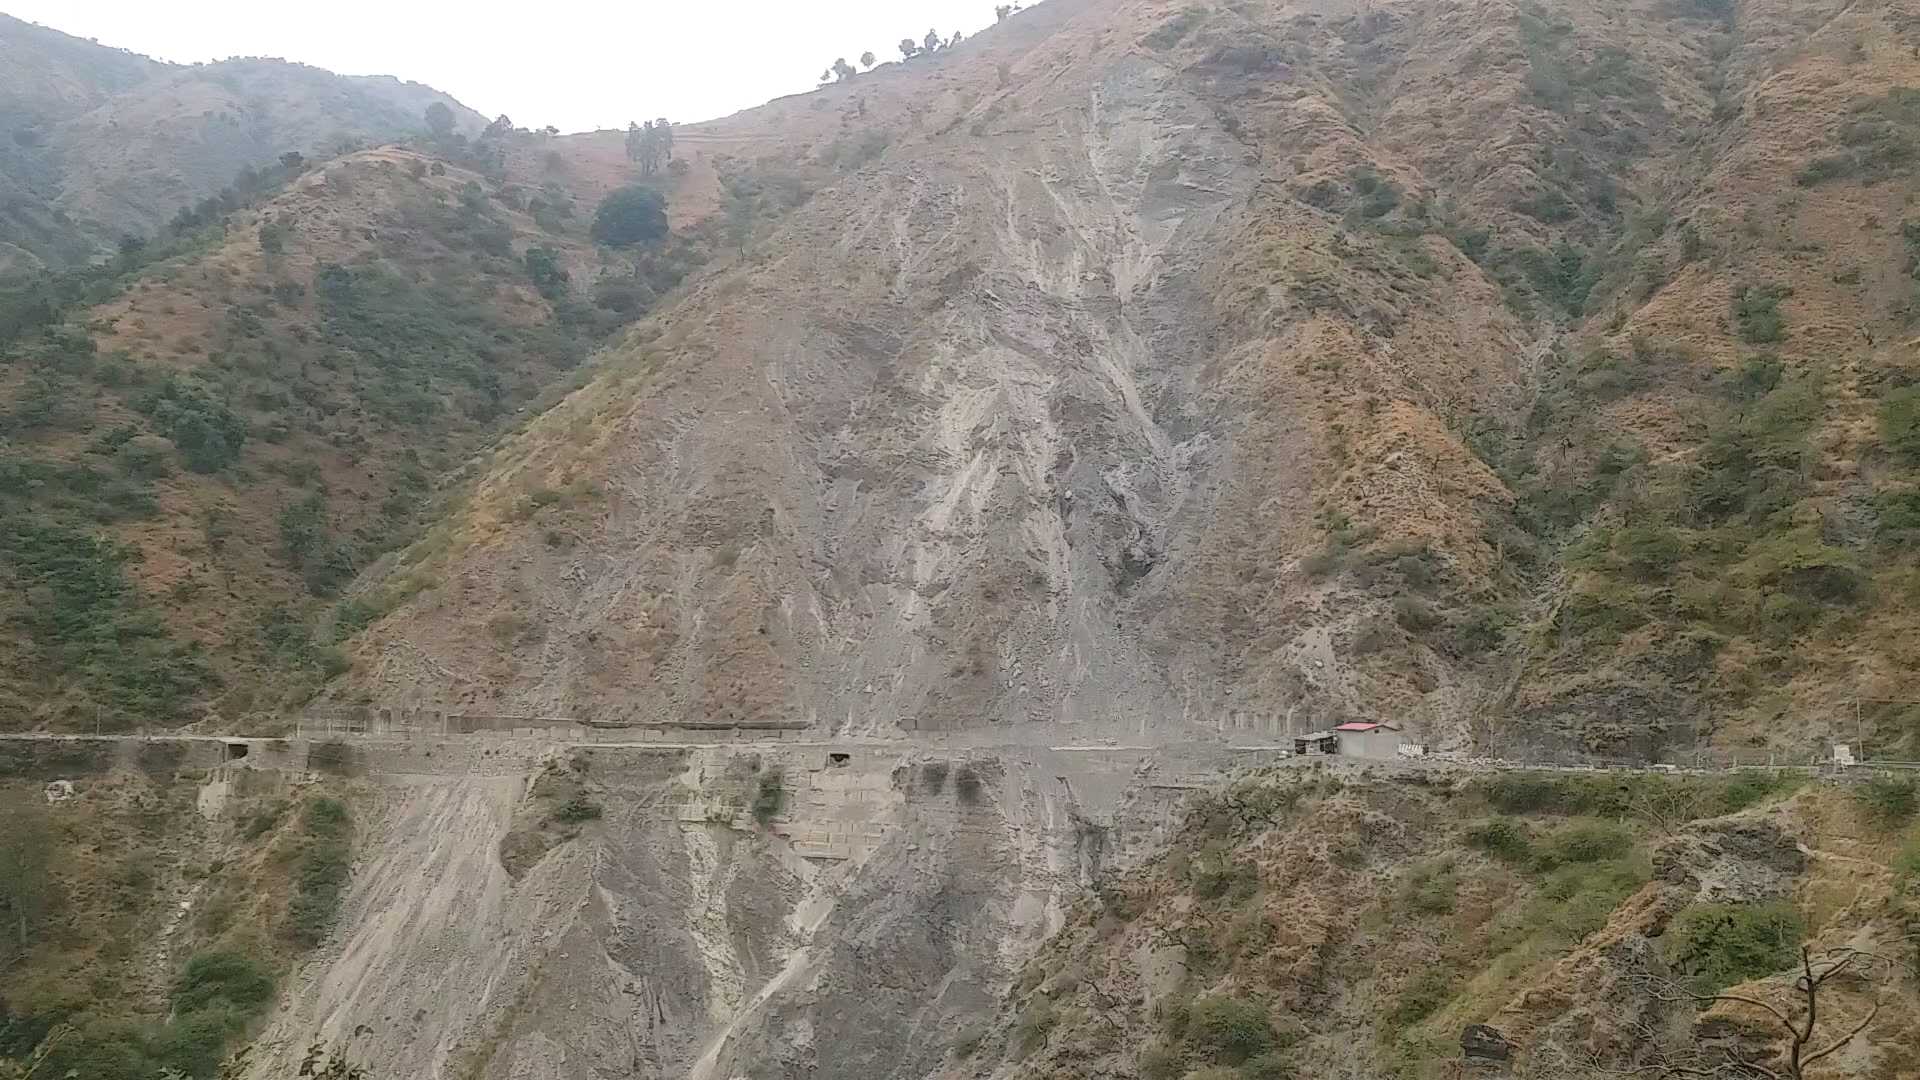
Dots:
pixel 425 346
pixel 1898 513
pixel 1429 990
pixel 93 622
pixel 1900 423
pixel 1746 789
pixel 214 998
pixel 1576 900
pixel 1891 803
pixel 631 216
pixel 207 433
pixel 1378 196
pixel 1756 313
pixel 1530 793
pixel 1217 875
pixel 769 796
pixel 1681 798
pixel 1229 1030
pixel 1479 631
pixel 1878 140
pixel 549 276
pixel 1753 463
pixel 1564 277
pixel 1906 868
pixel 1800 563
pixel 1718 945
pixel 226 980
pixel 1584 842
pixel 1502 838
pixel 1431 890
pixel 321 871
pixel 337 758
pixel 194 1043
pixel 1651 551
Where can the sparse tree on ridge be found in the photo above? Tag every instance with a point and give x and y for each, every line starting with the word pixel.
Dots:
pixel 908 50
pixel 644 144
pixel 663 134
pixel 440 119
pixel 843 70
pixel 867 59
pixel 932 42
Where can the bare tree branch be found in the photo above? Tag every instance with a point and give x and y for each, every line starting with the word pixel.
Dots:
pixel 1797 1026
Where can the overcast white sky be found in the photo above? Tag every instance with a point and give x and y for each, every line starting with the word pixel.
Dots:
pixel 576 64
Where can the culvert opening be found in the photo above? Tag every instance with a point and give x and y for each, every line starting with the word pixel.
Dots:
pixel 838 761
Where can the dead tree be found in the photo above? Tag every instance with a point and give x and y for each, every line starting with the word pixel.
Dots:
pixel 1799 1024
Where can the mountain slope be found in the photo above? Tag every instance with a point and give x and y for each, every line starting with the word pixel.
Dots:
pixel 194 469
pixel 1169 368
pixel 1342 926
pixel 102 142
pixel 50 76
pixel 1002 469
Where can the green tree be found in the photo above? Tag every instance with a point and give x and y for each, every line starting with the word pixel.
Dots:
pixel 631 216
pixel 303 529
pixel 224 980
pixel 842 70
pixel 26 844
pixel 440 119
pixel 645 143
pixel 908 50
pixel 208 433
pixel 867 59
pixel 549 276
pixel 932 41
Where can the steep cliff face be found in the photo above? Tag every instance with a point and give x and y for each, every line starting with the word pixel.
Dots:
pixel 1026 422
pixel 1166 368
pixel 703 913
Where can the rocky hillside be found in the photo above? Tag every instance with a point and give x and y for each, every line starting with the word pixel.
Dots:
pixel 151 906
pixel 101 143
pixel 194 469
pixel 1534 373
pixel 1339 926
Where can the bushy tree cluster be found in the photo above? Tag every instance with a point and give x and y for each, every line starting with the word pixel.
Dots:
pixel 650 145
pixel 927 45
pixel 631 216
